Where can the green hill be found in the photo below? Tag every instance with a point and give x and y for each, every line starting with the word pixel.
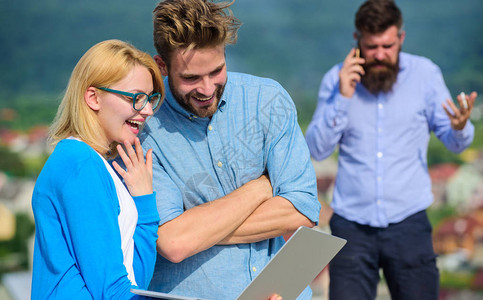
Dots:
pixel 294 42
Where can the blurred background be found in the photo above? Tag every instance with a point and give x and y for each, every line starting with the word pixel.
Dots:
pixel 292 41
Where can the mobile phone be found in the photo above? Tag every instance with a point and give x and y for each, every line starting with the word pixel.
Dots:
pixel 463 98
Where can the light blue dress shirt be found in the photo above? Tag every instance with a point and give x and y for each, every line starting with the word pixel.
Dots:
pixel 197 160
pixel 383 139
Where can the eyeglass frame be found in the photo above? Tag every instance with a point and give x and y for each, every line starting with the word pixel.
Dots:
pixel 133 96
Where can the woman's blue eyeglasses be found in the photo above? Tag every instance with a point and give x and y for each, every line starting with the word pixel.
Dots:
pixel 139 100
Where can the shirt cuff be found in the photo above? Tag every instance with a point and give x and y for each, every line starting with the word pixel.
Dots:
pixel 305 204
pixel 465 132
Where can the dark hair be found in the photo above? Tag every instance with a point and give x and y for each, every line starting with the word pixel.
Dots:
pixel 192 24
pixel 376 16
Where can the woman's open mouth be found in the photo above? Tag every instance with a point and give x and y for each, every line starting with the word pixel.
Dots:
pixel 135 125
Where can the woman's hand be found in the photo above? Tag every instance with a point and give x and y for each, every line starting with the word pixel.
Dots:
pixel 138 175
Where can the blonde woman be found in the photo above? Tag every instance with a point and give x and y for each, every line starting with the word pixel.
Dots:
pixel 95 236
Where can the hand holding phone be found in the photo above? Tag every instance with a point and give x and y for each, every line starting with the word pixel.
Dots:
pixel 350 73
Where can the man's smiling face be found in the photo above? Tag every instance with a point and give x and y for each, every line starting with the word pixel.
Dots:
pixel 197 79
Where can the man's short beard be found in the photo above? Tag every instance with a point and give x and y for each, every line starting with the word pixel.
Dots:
pixel 382 80
pixel 185 103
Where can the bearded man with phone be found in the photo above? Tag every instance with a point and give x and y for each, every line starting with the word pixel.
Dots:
pixel 380 108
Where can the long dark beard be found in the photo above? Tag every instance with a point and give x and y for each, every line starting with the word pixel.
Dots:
pixel 380 80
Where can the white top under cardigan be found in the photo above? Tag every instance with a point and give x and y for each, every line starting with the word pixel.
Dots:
pixel 128 218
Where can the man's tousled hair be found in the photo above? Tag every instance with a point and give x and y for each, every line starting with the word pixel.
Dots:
pixel 376 16
pixel 192 24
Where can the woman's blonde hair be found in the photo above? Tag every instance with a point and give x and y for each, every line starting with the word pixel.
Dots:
pixel 101 66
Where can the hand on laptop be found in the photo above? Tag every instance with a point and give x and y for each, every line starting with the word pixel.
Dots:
pixel 275 297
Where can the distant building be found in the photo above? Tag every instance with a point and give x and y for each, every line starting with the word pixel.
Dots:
pixel 32 143
pixel 462 232
pixel 7 223
pixel 13 140
pixel 477 283
pixel 440 175
pixel 16 193
pixel 326 171
pixel 461 187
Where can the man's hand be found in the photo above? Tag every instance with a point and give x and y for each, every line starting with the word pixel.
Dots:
pixel 460 115
pixel 262 186
pixel 350 74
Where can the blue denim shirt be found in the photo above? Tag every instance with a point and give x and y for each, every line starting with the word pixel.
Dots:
pixel 197 160
pixel 383 139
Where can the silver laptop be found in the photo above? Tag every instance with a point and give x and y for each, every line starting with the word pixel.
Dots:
pixel 295 265
pixel 158 295
pixel 289 272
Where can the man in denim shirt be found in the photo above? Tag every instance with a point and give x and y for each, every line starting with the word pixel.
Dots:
pixel 380 108
pixel 232 170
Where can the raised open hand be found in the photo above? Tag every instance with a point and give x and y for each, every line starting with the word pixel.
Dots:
pixel 138 175
pixel 459 116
